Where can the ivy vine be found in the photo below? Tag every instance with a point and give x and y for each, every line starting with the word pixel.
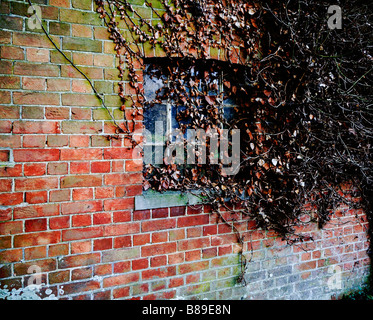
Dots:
pixel 302 93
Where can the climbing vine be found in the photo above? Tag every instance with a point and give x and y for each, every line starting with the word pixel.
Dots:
pixel 302 96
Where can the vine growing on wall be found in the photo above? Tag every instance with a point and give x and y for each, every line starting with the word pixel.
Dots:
pixel 302 95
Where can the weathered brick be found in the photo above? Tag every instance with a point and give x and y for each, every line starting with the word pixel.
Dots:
pixel 35 98
pixel 35 197
pixel 32 40
pixel 23 184
pixel 81 181
pixel 81 207
pixel 36 155
pixel 35 211
pixel 36 69
pixel 121 229
pixel 36 239
pixel 81 154
pixel 161 224
pixel 11 199
pixel 82 127
pixel 27 127
pixel 82 233
pixel 121 279
pixel 10 82
pixel 121 254
pixel 9 256
pixel 74 16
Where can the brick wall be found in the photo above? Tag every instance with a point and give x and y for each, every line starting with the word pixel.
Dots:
pixel 68 184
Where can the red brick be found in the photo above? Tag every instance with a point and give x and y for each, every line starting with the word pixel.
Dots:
pixel 58 250
pixel 135 190
pixel 193 267
pixel 9 256
pixel 81 114
pixel 160 273
pixel 160 224
pixel 5 243
pixel 122 178
pixel 104 192
pixel 191 244
pixel 81 207
pixel 141 214
pixel 81 247
pixel 11 227
pixel 79 167
pixel 140 264
pixel 159 237
pixel 118 153
pixel 157 249
pixel 158 261
pixel 192 221
pixel 79 141
pixel 5 126
pixel 177 211
pixel 37 84
pixel 118 204
pixel 102 244
pixel 74 287
pixel 121 229
pixel 160 213
pixel 141 239
pixel 5 97
pixel 59 277
pixel 12 52
pixel 83 194
pixel 34 211
pixel 122 242
pixel 32 40
pixel 34 169
pixel 36 239
pixel 37 197
pixel 122 267
pixel 59 222
pixel 34 141
pixel 35 253
pixel 81 154
pixel 100 167
pixel 9 112
pixel 9 82
pixel 11 199
pixel 102 269
pixel 102 218
pixel 32 155
pixel 133 166
pixel 45 265
pixel 37 54
pixel 36 98
pixel 82 233
pixel 121 279
pixel 58 84
pixel 81 220
pixel 24 184
pixel 5 214
pixel 26 127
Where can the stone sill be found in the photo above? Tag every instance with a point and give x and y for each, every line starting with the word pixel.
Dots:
pixel 153 200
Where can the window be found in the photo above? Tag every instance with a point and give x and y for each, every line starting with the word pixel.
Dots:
pixel 180 96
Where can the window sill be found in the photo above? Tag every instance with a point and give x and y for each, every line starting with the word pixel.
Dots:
pixel 153 200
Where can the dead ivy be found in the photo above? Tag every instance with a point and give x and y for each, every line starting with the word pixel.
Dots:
pixel 303 96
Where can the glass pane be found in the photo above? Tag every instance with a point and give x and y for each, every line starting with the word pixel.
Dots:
pixel 152 114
